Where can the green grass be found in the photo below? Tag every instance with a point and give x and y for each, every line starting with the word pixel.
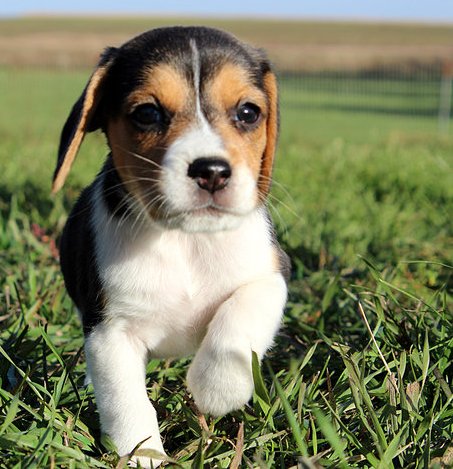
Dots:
pixel 363 203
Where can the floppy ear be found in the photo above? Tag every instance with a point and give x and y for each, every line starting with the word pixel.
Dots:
pixel 81 120
pixel 267 162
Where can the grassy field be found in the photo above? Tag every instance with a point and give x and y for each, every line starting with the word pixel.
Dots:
pixel 361 372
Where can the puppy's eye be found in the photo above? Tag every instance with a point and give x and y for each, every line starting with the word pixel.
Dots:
pixel 146 116
pixel 248 113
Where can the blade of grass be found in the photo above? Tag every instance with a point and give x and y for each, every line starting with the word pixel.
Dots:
pixel 292 421
pixel 332 437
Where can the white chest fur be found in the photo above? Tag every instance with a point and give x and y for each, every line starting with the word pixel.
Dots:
pixel 165 285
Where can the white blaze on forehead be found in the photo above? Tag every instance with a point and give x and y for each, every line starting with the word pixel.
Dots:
pixel 200 140
pixel 196 70
pixel 196 65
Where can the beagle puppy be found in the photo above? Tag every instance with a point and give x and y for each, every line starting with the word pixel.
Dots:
pixel 170 251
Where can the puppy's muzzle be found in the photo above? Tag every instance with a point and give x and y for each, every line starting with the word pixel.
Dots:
pixel 211 174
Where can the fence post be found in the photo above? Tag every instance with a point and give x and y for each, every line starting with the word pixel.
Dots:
pixel 445 96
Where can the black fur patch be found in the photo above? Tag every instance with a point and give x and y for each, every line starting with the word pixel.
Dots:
pixel 78 262
pixel 284 260
pixel 114 192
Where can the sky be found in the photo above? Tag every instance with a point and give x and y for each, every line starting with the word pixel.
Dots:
pixel 408 10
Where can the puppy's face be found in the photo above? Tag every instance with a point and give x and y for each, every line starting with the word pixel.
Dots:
pixel 190 115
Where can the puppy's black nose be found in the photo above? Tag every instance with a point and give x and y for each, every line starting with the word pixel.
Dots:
pixel 211 174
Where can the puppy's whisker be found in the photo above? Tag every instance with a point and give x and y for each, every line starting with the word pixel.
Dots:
pixel 141 157
pixel 281 220
pixel 134 208
pixel 113 169
pixel 130 203
pixel 111 189
pixel 104 172
pixel 145 179
pixel 130 181
pixel 281 186
pixel 130 166
pixel 126 202
pixel 143 213
pixel 280 202
pixel 158 198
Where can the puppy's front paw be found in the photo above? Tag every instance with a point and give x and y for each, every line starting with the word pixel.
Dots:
pixel 134 447
pixel 220 381
pixel 148 455
pixel 146 462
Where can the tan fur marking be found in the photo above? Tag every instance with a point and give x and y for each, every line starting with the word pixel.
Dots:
pixel 231 86
pixel 166 85
pixel 270 83
pixel 90 101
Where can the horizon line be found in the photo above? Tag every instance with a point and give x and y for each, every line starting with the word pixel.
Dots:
pixel 229 16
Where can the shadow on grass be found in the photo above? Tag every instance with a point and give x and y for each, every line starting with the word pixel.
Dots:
pixel 35 202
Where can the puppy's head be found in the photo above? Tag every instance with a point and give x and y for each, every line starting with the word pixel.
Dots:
pixel 191 118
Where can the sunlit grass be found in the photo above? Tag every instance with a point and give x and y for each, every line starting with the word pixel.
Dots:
pixel 360 375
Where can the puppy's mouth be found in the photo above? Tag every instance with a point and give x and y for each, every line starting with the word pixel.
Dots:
pixel 209 209
pixel 208 217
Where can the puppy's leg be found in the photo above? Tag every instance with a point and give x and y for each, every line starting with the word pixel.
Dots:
pixel 117 369
pixel 220 377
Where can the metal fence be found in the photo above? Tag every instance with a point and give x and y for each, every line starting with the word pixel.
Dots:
pixel 387 90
